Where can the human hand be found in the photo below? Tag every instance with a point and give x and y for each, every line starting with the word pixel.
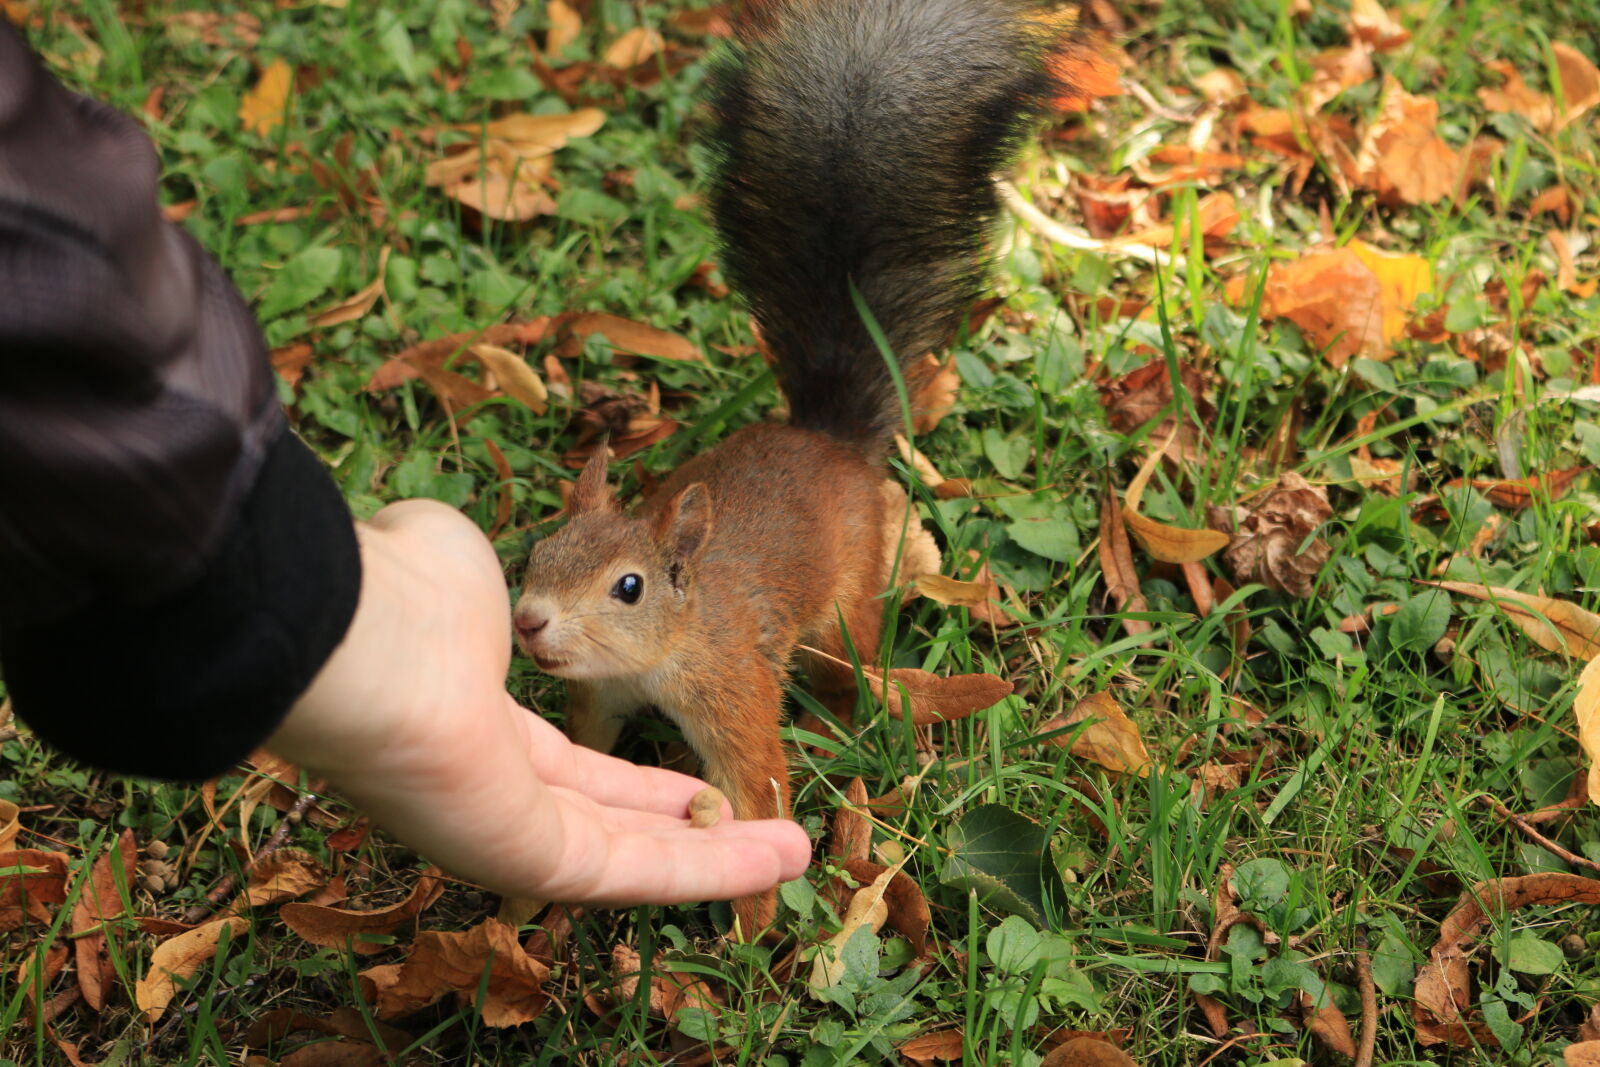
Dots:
pixel 410 719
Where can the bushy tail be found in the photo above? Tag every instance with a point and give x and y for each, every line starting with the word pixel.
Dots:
pixel 857 141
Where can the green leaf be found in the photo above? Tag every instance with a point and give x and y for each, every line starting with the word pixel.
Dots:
pixel 301 280
pixel 799 896
pixel 1532 955
pixel 1013 946
pixel 1393 966
pixel 1261 884
pixel 395 41
pixel 1420 622
pixel 1008 455
pixel 1055 539
pixel 1002 856
pixel 1498 1018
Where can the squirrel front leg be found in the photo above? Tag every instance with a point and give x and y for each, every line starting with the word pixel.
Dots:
pixel 733 725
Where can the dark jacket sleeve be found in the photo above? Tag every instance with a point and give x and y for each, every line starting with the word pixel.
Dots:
pixel 175 566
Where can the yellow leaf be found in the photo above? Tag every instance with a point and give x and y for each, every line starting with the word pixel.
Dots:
pixel 10 823
pixel 358 305
pixel 178 958
pixel 1580 83
pixel 1111 739
pixel 541 131
pixel 1586 709
pixel 1555 625
pixel 867 908
pixel 519 380
pixel 952 592
pixel 1401 279
pixel 263 107
pixel 632 48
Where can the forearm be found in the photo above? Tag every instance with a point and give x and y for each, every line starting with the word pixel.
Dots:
pixel 174 566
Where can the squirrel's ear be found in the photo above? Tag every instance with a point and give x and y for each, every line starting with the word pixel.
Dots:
pixel 684 526
pixel 592 493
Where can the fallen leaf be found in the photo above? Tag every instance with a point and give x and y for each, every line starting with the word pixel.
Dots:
pixel 1081 71
pixel 444 963
pixel 1580 83
pixel 669 991
pixel 1554 625
pixel 334 927
pixel 937 1046
pixel 636 337
pixel 1087 1052
pixel 357 305
pixel 908 913
pixel 178 958
pixel 1586 710
pixel 851 838
pixel 868 909
pixel 1116 566
pixel 1369 22
pixel 935 394
pixel 1267 545
pixel 1334 71
pixel 1220 85
pixel 566 25
pixel 1513 96
pixel 513 375
pixel 10 823
pixel 1110 739
pixel 262 108
pixel 29 880
pixel 535 132
pixel 286 874
pixel 632 48
pixel 101 898
pixel 1170 544
pixel 953 592
pixel 1402 155
pixel 932 698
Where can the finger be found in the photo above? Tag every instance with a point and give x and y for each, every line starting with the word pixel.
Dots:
pixel 786 837
pixel 608 780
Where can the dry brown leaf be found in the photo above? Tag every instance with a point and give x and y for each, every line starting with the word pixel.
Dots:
pixel 100 899
pixel 1087 1052
pixel 630 336
pixel 1334 71
pixel 852 833
pixel 867 909
pixel 1555 625
pixel 1116 566
pixel 1586 709
pixel 953 592
pixel 1111 739
pixel 32 880
pixel 1402 155
pixel 935 396
pixel 1513 96
pixel 334 927
pixel 513 375
pixel 1444 985
pixel 286 874
pixel 1170 544
pixel 1266 547
pixel 1369 22
pixel 444 963
pixel 10 823
pixel 262 108
pixel 1580 83
pixel 178 958
pixel 533 133
pixel 357 305
pixel 935 1047
pixel 670 991
pixel 908 913
pixel 504 198
pixel 1582 1054
pixel 632 48
pixel 1220 85
pixel 932 698
pixel 566 25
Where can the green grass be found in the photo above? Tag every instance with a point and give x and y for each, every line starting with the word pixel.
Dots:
pixel 1357 811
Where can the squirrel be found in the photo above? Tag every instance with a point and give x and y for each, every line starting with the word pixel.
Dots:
pixel 856 145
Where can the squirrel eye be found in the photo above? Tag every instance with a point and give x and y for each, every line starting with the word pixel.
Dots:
pixel 629 588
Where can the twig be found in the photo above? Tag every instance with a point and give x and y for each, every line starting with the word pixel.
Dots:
pixel 1544 842
pixel 280 834
pixel 1369 1003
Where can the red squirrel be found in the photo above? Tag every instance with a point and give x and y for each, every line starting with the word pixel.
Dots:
pixel 857 142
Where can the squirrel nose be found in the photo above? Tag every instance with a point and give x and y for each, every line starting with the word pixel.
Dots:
pixel 530 621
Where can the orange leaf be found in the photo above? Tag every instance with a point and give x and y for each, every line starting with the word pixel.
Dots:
pixel 932 698
pixel 30 879
pixel 632 48
pixel 101 899
pixel 1514 97
pixel 10 823
pixel 630 336
pixel 286 874
pixel 1580 83
pixel 262 108
pixel 178 958
pixel 1111 739
pixel 444 963
pixel 1170 544
pixel 565 26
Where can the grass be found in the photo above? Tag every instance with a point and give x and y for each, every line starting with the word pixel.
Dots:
pixel 1355 810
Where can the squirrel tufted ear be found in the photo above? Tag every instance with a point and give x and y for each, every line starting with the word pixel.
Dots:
pixel 592 493
pixel 684 526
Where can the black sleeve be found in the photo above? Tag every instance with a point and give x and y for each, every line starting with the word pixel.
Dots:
pixel 175 566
